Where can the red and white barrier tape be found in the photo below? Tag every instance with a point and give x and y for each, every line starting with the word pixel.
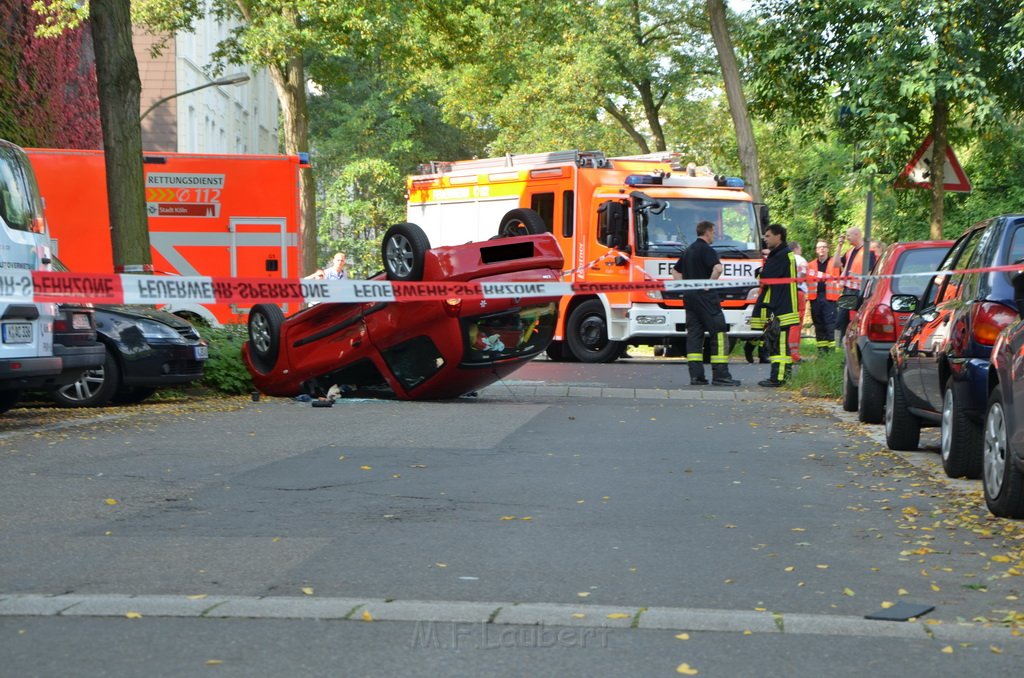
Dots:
pixel 51 287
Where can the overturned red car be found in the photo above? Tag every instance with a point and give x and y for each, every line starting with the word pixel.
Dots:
pixel 413 350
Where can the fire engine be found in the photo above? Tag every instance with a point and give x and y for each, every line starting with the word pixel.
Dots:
pixel 617 220
pixel 209 215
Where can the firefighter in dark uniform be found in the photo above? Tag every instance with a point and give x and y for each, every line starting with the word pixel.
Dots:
pixel 704 310
pixel 776 307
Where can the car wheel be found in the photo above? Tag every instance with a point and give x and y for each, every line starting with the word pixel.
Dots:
pixel 521 221
pixel 849 390
pixel 1002 480
pixel 870 398
pixel 265 335
pixel 555 351
pixel 8 399
pixel 132 395
pixel 961 438
pixel 95 388
pixel 587 334
pixel 902 429
pixel 403 250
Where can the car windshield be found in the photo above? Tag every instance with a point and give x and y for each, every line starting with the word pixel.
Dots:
pixel 675 227
pixel 921 260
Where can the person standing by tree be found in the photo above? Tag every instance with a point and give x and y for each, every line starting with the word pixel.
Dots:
pixel 823 291
pixel 704 310
pixel 775 309
pixel 851 263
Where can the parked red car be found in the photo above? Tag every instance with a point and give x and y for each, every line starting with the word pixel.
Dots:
pixel 416 349
pixel 875 326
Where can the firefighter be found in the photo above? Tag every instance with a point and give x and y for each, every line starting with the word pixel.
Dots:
pixel 704 310
pixel 775 310
pixel 823 290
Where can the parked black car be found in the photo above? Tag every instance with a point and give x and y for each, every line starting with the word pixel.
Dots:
pixel 940 366
pixel 145 349
pixel 1003 458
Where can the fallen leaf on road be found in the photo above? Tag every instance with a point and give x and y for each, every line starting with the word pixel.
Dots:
pixel 133 615
pixel 847 591
pixel 619 615
pixel 110 501
pixel 508 517
pixel 948 649
pixel 686 670
pixel 198 596
pixel 902 592
pixel 308 590
pixel 583 594
pixel 578 615
pixel 214 662
pixel 367 616
pixel 366 468
pixel 683 636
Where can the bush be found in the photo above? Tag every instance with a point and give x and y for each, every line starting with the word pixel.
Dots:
pixel 224 370
pixel 819 375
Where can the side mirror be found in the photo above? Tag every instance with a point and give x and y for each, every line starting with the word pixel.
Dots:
pixel 849 302
pixel 904 303
pixel 762 216
pixel 613 228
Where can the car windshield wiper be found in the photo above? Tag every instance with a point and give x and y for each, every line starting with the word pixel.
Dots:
pixel 730 248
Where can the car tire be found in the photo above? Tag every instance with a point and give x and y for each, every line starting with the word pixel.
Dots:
pixel 403 251
pixel 587 334
pixel 8 399
pixel 132 395
pixel 870 398
pixel 902 429
pixel 265 335
pixel 849 390
pixel 1002 480
pixel 521 221
pixel 961 439
pixel 94 388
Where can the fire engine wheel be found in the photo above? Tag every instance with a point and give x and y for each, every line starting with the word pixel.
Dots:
pixel 264 335
pixel 403 250
pixel 95 388
pixel 587 334
pixel 521 221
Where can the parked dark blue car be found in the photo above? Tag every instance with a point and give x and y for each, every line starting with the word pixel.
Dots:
pixel 1003 457
pixel 939 374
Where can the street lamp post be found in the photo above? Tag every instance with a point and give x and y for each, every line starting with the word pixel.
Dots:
pixel 236 79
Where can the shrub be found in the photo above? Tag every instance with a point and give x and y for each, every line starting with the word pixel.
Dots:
pixel 819 375
pixel 224 370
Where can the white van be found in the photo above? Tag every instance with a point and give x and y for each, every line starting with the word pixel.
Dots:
pixel 30 358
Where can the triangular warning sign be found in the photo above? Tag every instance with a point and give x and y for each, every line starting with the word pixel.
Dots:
pixel 918 172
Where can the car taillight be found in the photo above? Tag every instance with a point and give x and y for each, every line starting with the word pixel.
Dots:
pixel 60 324
pixel 988 319
pixel 452 307
pixel 881 324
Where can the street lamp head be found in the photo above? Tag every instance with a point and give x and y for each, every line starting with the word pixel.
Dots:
pixel 236 79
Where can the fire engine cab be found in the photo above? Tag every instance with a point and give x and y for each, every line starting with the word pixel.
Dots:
pixel 617 220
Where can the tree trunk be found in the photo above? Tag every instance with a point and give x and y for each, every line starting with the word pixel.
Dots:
pixel 624 122
pixel 117 75
pixel 745 142
pixel 940 116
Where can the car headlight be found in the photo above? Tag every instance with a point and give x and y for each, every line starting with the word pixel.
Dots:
pixel 155 330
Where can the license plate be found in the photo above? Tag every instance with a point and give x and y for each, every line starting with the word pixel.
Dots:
pixel 17 333
pixel 202 352
pixel 80 321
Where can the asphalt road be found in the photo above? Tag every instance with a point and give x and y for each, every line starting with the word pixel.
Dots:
pixel 572 520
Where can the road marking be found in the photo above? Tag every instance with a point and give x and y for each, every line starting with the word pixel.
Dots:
pixel 465 612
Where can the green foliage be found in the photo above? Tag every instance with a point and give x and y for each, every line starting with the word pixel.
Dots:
pixel 224 370
pixel 820 376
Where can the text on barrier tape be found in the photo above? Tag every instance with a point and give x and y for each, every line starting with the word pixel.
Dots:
pixel 62 287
